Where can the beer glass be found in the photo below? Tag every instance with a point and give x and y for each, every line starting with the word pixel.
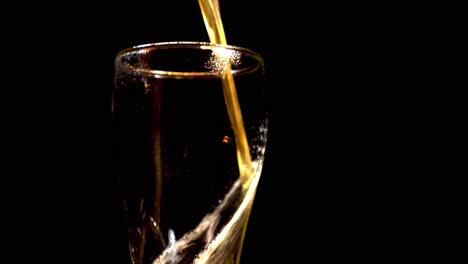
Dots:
pixel 175 149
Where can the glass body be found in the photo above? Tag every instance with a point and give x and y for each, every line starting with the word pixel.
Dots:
pixel 174 149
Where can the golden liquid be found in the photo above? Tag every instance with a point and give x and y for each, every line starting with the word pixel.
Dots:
pixel 215 29
pixel 225 247
pixel 214 26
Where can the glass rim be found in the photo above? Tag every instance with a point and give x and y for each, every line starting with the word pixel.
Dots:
pixel 190 44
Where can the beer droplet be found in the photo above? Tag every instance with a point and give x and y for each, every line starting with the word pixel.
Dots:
pixel 226 139
pixel 147 87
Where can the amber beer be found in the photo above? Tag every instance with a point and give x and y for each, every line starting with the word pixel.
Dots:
pixel 175 155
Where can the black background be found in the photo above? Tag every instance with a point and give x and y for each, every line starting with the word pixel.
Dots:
pixel 321 196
